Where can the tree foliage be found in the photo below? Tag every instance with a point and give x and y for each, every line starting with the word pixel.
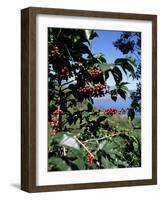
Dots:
pixel 130 43
pixel 80 135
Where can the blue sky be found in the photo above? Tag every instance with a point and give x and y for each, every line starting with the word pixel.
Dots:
pixel 104 44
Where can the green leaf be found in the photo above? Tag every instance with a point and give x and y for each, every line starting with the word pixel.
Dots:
pixel 101 118
pixel 114 95
pixel 51 103
pixel 108 147
pixel 131 113
pixel 102 144
pixel 75 153
pixel 72 110
pixel 90 107
pixel 50 141
pixel 67 91
pixel 81 106
pixel 79 163
pixel 75 132
pixel 131 61
pixel 93 35
pixel 58 137
pixel 99 57
pixel 105 163
pixel 136 146
pixel 122 85
pixel 68 141
pixel 106 74
pixel 104 67
pixel 92 118
pixel 87 34
pixel 117 74
pixel 122 93
pixel 126 65
pixel 58 164
pixel 122 163
pixel 57 88
pixel 84 49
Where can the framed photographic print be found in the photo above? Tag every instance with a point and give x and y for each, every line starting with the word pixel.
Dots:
pixel 89 99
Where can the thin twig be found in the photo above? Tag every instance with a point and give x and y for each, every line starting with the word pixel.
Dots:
pixel 97 139
pixel 83 146
pixel 67 83
pixel 64 151
pixel 69 53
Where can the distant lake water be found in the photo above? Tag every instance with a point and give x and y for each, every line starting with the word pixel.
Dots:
pixel 107 102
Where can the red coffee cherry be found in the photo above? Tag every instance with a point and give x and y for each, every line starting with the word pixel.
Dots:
pixel 95 72
pixel 64 72
pixel 99 87
pixel 54 118
pixel 55 124
pixel 53 132
pixel 86 89
pixel 90 158
pixel 58 111
pixel 111 111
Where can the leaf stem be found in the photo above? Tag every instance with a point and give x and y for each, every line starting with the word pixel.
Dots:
pixel 83 146
pixel 67 83
pixel 97 139
pixel 64 151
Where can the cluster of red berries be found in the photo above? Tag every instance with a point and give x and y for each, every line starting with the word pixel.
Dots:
pixel 55 120
pixel 99 87
pixel 58 111
pixel 95 72
pixel 55 124
pixel 86 88
pixel 90 88
pixel 55 51
pixel 113 111
pixel 64 72
pixel 122 111
pixel 90 158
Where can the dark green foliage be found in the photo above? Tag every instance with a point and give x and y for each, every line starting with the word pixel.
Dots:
pixel 80 135
pixel 130 43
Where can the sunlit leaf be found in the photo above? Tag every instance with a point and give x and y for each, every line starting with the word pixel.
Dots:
pixel 69 141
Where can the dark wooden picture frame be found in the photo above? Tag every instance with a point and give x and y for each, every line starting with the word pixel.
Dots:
pixel 28 98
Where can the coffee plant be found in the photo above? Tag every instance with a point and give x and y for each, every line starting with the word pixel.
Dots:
pixel 80 135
